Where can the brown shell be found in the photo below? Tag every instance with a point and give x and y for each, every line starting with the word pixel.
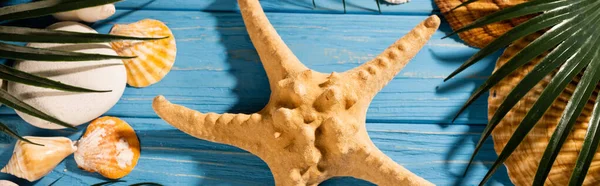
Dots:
pixel 478 37
pixel 522 164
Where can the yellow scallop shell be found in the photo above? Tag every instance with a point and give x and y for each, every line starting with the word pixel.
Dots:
pixel 154 58
pixel 109 147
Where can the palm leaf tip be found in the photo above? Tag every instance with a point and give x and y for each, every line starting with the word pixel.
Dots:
pixel 21 34
pixel 14 134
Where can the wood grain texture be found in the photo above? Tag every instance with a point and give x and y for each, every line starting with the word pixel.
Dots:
pixel 218 70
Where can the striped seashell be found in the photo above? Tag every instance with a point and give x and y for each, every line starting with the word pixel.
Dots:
pixel 32 162
pixel 109 147
pixel 478 37
pixel 154 58
pixel 523 163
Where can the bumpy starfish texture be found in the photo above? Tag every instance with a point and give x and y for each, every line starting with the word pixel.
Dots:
pixel 313 127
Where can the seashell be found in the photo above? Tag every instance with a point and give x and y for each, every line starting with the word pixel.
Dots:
pixel 397 1
pixel 91 14
pixel 478 37
pixel 32 162
pixel 154 58
pixel 7 183
pixel 523 163
pixel 109 147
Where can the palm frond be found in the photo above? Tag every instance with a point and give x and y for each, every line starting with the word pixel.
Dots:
pixel 567 47
pixel 21 34
pixel 47 7
pixel 17 52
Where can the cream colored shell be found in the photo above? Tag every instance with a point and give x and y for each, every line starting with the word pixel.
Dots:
pixel 32 162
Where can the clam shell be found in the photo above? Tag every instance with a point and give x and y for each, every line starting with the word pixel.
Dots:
pixel 478 37
pixel 32 162
pixel 523 163
pixel 109 147
pixel 154 58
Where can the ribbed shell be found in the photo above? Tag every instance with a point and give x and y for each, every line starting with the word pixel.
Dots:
pixel 154 58
pixel 32 162
pixel 109 147
pixel 522 164
pixel 478 37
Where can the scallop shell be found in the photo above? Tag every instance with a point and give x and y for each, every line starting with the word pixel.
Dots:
pixel 109 147
pixel 154 58
pixel 478 37
pixel 523 163
pixel 32 162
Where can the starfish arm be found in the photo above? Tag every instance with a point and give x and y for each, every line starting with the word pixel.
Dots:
pixel 372 76
pixel 277 59
pixel 379 169
pixel 229 129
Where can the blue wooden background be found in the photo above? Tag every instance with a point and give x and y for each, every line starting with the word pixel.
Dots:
pixel 218 70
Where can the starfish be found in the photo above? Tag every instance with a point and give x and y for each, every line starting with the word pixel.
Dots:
pixel 313 127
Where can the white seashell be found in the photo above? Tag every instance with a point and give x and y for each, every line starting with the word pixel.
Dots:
pixel 73 108
pixel 91 14
pixel 397 1
pixel 32 162
pixel 7 183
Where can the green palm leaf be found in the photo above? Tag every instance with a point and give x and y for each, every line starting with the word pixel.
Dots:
pixel 21 34
pixel 563 52
pixel 571 45
pixel 19 105
pixel 47 7
pixel 14 75
pixel 12 133
pixel 16 52
pixel 576 104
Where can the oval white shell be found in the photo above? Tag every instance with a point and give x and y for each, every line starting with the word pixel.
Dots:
pixel 73 108
pixel 32 162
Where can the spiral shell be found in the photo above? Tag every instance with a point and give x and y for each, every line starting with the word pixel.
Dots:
pixel 109 147
pixel 154 58
pixel 32 162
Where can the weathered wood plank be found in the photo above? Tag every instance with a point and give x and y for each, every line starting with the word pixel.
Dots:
pixel 418 7
pixel 217 66
pixel 290 6
pixel 436 152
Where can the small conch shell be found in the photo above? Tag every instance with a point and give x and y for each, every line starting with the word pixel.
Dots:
pixel 91 14
pixel 32 162
pixel 109 147
pixel 7 183
pixel 154 58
